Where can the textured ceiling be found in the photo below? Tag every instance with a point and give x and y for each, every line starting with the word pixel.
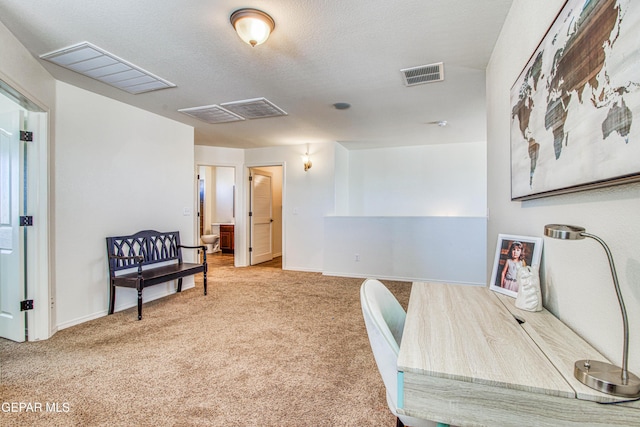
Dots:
pixel 321 52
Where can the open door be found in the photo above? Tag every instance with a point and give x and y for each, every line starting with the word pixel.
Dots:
pixel 261 217
pixel 12 242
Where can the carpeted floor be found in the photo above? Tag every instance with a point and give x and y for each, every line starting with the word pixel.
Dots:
pixel 266 347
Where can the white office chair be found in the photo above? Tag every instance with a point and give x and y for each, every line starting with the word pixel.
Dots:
pixel 384 318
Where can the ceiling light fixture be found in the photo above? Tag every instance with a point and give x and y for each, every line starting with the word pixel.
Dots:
pixel 252 25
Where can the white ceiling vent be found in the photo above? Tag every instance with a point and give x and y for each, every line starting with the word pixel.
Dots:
pixel 212 114
pixel 256 108
pixel 91 61
pixel 423 74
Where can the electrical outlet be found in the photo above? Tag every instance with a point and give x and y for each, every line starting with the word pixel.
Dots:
pixel 357 257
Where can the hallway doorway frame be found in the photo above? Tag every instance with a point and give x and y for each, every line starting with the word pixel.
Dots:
pixel 41 319
pixel 198 212
pixel 247 200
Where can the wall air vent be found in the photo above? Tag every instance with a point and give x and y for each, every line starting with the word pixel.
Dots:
pixel 91 61
pixel 256 108
pixel 211 114
pixel 423 74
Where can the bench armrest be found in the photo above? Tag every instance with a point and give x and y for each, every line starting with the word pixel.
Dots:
pixel 204 251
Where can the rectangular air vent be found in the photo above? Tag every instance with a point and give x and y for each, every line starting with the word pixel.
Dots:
pixel 91 61
pixel 256 108
pixel 212 114
pixel 423 74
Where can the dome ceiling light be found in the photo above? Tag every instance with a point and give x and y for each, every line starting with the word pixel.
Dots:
pixel 252 25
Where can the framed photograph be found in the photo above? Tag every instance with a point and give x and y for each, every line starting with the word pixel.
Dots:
pixel 513 252
pixel 576 104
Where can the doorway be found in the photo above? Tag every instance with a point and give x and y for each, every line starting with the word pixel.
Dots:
pixel 217 210
pixel 265 214
pixel 25 312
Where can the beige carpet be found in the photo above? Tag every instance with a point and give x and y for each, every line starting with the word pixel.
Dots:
pixel 266 347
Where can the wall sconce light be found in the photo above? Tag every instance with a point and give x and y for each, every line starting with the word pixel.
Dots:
pixel 601 376
pixel 306 160
pixel 252 25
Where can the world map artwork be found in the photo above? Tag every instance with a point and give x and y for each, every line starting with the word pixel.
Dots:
pixel 575 108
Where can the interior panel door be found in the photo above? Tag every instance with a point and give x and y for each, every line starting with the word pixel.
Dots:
pixel 12 319
pixel 261 218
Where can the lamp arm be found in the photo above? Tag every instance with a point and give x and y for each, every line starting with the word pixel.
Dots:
pixel 625 322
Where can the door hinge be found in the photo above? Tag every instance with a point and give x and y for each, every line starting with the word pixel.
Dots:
pixel 250 178
pixel 250 249
pixel 26 136
pixel 26 305
pixel 250 213
pixel 26 221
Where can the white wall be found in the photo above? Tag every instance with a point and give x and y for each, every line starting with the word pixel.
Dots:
pixel 410 213
pixel 23 72
pixel 308 198
pixel 341 180
pixel 429 180
pixel 119 170
pixel 577 283
pixel 205 175
pixel 372 177
pixel 224 198
pixel 439 249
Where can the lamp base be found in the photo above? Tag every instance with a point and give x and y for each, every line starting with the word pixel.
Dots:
pixel 606 378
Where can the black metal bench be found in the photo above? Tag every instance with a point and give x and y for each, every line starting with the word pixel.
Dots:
pixel 144 250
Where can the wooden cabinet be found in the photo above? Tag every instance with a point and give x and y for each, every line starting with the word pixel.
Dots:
pixel 226 238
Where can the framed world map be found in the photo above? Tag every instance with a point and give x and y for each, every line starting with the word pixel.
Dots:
pixel 575 106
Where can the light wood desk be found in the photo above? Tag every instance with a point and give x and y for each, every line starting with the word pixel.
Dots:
pixel 465 360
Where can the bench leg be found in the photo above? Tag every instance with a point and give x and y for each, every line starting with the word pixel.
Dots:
pixel 112 298
pixel 179 285
pixel 139 303
pixel 205 281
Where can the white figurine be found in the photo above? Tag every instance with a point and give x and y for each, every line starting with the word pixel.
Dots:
pixel 529 296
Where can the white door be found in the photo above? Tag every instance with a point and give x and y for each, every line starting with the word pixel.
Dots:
pixel 261 217
pixel 12 320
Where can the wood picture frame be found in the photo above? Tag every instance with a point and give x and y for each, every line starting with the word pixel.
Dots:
pixel 504 267
pixel 573 105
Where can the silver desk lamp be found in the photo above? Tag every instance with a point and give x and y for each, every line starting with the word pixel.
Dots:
pixel 601 376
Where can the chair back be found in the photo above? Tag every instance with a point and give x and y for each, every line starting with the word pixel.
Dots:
pixel 384 319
